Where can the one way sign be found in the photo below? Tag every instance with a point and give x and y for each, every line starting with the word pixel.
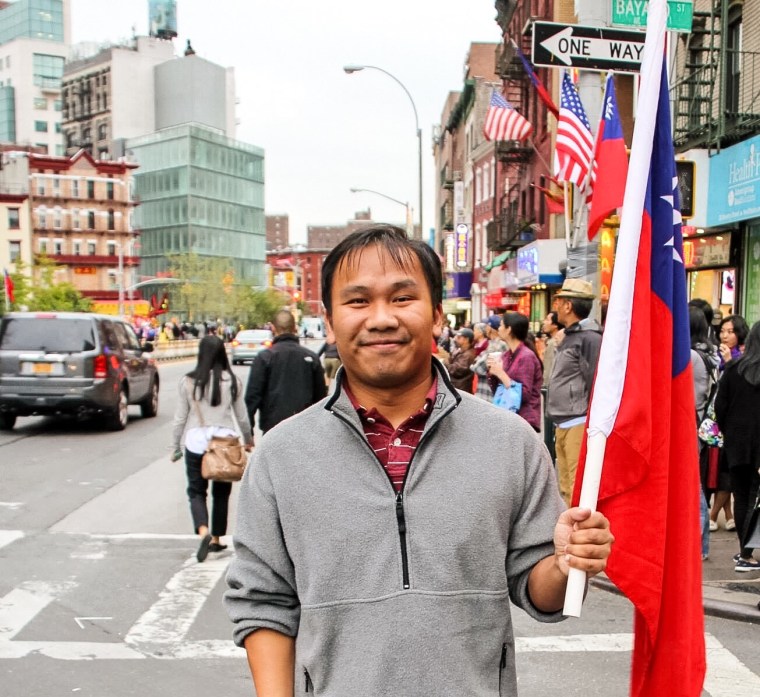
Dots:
pixel 590 48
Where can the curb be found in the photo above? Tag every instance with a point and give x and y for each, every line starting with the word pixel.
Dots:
pixel 741 612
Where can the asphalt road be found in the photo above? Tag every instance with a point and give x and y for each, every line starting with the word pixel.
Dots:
pixel 100 593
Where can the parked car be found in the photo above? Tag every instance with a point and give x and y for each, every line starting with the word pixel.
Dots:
pixel 248 343
pixel 74 363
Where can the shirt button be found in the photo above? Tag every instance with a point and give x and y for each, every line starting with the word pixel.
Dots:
pixel 397 441
pixel 370 420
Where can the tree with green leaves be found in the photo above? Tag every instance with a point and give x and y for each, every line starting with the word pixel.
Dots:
pixel 36 290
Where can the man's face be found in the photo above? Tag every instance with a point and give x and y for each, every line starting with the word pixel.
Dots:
pixel 564 310
pixel 383 320
pixel 547 326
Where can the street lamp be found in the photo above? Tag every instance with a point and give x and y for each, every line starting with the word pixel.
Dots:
pixel 409 223
pixel 355 69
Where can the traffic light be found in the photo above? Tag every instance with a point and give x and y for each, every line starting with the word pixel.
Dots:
pixel 296 295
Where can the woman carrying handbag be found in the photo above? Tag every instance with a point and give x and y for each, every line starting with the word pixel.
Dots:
pixel 210 405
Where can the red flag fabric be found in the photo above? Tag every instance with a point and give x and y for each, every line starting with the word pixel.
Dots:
pixel 574 149
pixel 541 90
pixel 555 200
pixel 8 286
pixel 643 402
pixel 611 162
pixel 503 122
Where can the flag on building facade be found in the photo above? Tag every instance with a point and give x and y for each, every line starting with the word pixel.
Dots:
pixel 555 200
pixel 611 161
pixel 643 402
pixel 574 149
pixel 8 287
pixel 503 122
pixel 543 93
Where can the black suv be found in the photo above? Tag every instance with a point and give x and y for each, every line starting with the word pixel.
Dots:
pixel 73 363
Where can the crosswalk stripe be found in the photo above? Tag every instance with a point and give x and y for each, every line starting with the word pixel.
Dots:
pixel 171 616
pixel 576 642
pixel 726 675
pixel 9 536
pixel 69 650
pixel 21 605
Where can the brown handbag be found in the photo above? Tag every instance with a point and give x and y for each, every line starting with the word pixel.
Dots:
pixel 224 460
pixel 225 457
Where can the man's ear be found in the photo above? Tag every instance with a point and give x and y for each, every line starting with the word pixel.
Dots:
pixel 437 321
pixel 330 333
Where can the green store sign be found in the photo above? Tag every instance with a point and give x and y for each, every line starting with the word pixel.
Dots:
pixel 633 13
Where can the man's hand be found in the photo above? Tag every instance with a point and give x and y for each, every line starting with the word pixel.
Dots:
pixel 582 540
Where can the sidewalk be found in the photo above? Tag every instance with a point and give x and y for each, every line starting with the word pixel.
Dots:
pixel 726 593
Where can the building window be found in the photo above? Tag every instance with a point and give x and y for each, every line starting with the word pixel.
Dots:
pixel 58 247
pixel 91 220
pixel 43 147
pixel 75 188
pixel 40 103
pixel 90 188
pixel 56 187
pixel 41 218
pixel 58 105
pixel 75 222
pixel 14 219
pixel 486 182
pixel 91 248
pixel 43 245
pixel 77 248
pixel 478 186
pixel 111 247
pixel 48 70
pixel 734 61
pixel 40 186
pixel 58 127
pixel 109 191
pixel 57 224
pixel 111 221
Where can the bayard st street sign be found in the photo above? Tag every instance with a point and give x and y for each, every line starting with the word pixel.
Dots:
pixel 589 48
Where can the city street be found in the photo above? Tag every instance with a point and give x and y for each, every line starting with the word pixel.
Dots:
pixel 100 593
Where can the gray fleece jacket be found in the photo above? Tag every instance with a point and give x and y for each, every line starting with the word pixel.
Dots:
pixel 392 595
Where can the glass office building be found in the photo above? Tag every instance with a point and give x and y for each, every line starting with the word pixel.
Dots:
pixel 32 19
pixel 202 192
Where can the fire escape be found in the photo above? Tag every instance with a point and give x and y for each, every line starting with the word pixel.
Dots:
pixel 717 98
pixel 511 228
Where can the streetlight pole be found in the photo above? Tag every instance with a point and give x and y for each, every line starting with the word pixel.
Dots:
pixel 409 233
pixel 121 279
pixel 355 69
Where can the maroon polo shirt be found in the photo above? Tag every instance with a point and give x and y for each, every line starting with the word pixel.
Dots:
pixel 394 448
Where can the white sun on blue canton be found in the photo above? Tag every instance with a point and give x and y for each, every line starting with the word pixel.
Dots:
pixel 677 220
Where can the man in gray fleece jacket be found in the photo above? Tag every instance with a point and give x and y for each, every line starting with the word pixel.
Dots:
pixel 374 555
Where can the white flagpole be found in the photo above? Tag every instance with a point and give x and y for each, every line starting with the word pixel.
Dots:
pixel 603 409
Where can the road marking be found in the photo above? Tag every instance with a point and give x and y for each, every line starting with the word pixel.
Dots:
pixel 171 616
pixel 13 505
pixel 575 642
pixel 9 536
pixel 23 604
pixel 69 650
pixel 726 675
pixel 134 535
pixel 90 549
pixel 81 620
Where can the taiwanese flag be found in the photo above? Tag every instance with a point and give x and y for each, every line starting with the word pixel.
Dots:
pixel 611 162
pixel 540 88
pixel 643 405
pixel 8 287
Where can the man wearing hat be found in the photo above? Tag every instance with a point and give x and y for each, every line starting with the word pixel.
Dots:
pixel 572 376
pixel 461 359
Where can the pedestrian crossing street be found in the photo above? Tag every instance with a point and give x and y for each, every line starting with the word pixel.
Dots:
pixel 170 626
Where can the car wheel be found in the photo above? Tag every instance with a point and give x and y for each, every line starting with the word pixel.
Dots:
pixel 149 406
pixel 116 419
pixel 7 421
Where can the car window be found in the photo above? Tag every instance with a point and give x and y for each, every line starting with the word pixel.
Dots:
pixel 254 335
pixel 124 338
pixel 134 342
pixel 110 338
pixel 49 334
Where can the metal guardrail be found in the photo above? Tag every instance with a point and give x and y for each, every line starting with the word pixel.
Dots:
pixel 171 350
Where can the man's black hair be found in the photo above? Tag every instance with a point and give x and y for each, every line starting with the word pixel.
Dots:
pixel 702 304
pixel 399 247
pixel 581 306
pixel 555 320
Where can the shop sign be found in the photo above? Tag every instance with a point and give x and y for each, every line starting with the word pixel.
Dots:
pixel 703 252
pixel 461 240
pixel 752 275
pixel 457 285
pixel 734 191
pixel 85 271
pixel 527 264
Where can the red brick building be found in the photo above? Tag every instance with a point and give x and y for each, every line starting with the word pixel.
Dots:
pixel 297 271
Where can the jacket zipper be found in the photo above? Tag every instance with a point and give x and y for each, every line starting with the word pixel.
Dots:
pixel 502 664
pixel 308 685
pixel 400 516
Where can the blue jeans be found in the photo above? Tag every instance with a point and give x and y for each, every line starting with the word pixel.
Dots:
pixel 704 522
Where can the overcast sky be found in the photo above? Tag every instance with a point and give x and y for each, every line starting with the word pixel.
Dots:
pixel 325 131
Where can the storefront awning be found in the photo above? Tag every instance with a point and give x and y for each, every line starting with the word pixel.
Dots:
pixel 498 261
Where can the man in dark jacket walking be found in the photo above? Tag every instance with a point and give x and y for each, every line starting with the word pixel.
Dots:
pixel 285 379
pixel 461 360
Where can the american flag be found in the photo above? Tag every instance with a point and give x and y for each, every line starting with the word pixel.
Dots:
pixel 574 150
pixel 503 122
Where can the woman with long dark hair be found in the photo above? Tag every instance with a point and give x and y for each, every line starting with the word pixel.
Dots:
pixel 738 415
pixel 519 364
pixel 210 400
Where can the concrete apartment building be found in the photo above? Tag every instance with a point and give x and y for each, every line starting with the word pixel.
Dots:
pixel 278 231
pixel 34 39
pixel 15 224
pixel 110 95
pixel 327 236
pixel 81 218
